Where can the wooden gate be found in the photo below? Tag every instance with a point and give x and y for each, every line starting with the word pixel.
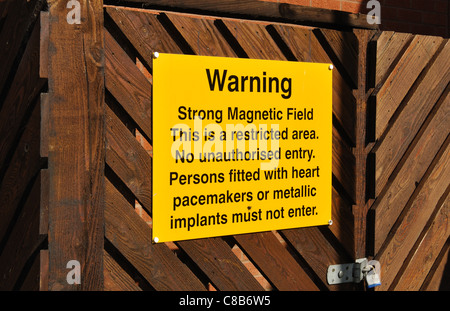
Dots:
pixel 91 201
pixel 286 260
pixel 409 228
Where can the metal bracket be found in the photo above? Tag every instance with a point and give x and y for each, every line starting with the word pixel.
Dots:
pixel 347 273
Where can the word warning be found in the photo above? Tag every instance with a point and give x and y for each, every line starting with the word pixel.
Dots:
pixel 239 146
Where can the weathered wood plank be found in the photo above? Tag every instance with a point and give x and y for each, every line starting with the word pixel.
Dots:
pixel 129 233
pixel 32 279
pixel 202 35
pixel 390 46
pixel 391 202
pixel 43 47
pixel 43 275
pixel 343 163
pixel 390 150
pixel 427 250
pixel 266 10
pixel 116 279
pixel 21 15
pixel 218 262
pixel 23 240
pixel 25 165
pixel 413 220
pixel 254 39
pixel 344 45
pixel 76 145
pixel 23 91
pixel 402 77
pixel 144 31
pixel 317 251
pixel 128 84
pixel 275 261
pixel 439 276
pixel 128 159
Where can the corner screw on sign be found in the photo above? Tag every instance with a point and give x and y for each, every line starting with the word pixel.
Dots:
pixel 74 15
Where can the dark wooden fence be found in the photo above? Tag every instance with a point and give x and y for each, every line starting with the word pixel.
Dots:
pixel 76 149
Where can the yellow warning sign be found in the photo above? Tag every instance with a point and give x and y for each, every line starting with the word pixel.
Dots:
pixel 239 146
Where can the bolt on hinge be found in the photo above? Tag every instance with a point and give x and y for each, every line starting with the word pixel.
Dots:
pixel 349 272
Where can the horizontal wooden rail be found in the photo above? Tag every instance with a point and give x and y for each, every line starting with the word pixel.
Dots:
pixel 254 9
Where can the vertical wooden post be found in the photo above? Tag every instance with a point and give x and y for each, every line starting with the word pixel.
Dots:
pixel 361 149
pixel 76 153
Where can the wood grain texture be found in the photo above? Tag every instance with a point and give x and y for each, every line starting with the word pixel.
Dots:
pixel 426 251
pixel 218 262
pixel 317 251
pixel 128 159
pixel 116 279
pixel 128 84
pixel 144 31
pixel 266 10
pixel 132 237
pixel 22 169
pixel 275 262
pixel 23 241
pixel 202 35
pixel 431 85
pixel 76 145
pixel 391 202
pixel 402 77
pixel 390 47
pixel 414 218
pixel 20 15
pixel 22 93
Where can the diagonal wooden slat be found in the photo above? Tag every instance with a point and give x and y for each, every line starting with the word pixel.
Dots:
pixel 128 159
pixel 215 258
pixel 427 250
pixel 254 39
pixel 431 86
pixel 128 84
pixel 390 46
pixel 23 240
pixel 202 35
pixel 144 31
pixel 25 87
pixel 414 218
pixel 344 45
pixel 116 279
pixel 17 20
pixel 25 164
pixel 402 77
pixel 391 202
pixel 275 262
pixel 132 237
pixel 317 252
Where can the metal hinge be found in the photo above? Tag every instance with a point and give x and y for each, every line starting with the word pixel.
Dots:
pixel 349 272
